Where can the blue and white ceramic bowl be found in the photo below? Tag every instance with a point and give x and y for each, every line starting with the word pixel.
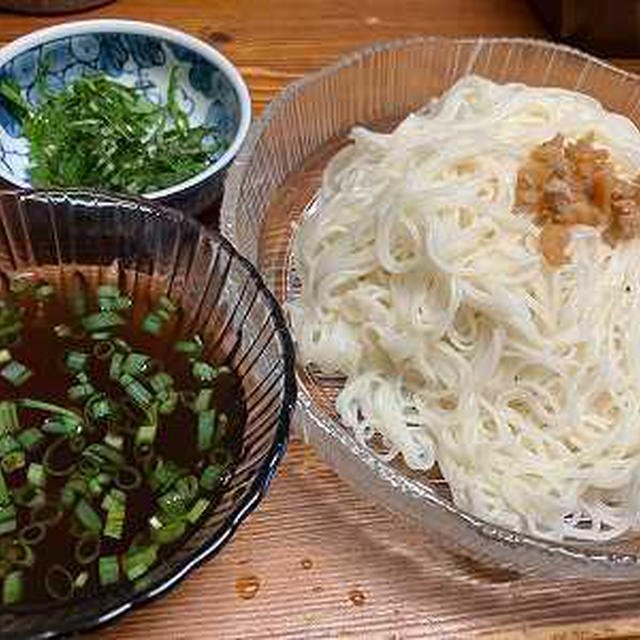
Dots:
pixel 136 54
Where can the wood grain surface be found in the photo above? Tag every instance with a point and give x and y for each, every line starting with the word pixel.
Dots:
pixel 317 561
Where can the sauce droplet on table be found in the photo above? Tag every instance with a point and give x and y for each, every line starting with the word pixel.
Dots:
pixel 357 597
pixel 247 587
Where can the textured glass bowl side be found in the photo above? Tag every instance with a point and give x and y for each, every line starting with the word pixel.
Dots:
pixel 224 300
pixel 297 134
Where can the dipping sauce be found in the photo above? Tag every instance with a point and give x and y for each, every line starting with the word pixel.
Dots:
pixel 118 433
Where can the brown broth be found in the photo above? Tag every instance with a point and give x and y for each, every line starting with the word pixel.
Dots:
pixel 40 349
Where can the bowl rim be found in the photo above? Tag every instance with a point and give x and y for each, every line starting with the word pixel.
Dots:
pixel 582 560
pixel 137 27
pixel 258 489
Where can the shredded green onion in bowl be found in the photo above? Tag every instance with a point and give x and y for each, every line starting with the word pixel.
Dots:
pixel 101 134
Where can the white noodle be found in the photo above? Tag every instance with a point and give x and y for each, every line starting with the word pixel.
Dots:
pixel 423 286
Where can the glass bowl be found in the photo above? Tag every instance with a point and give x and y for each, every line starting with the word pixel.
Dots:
pixel 224 300
pixel 276 178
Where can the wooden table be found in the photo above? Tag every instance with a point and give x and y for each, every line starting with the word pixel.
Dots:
pixel 316 561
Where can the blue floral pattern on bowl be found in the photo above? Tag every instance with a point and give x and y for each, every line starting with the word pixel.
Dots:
pixel 206 94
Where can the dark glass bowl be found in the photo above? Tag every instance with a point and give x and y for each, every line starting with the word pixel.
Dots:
pixel 224 300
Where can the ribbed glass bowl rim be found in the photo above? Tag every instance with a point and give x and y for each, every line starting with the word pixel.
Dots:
pixel 254 495
pixel 585 562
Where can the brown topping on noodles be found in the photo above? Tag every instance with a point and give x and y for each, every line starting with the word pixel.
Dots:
pixel 568 183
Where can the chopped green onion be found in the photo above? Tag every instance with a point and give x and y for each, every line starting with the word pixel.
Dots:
pixel 146 434
pixel 104 350
pixel 5 498
pixel 61 425
pixel 122 345
pixel 29 403
pixel 168 402
pixel 169 532
pixel 101 408
pixel 16 373
pixel 8 519
pixel 173 504
pixel 203 400
pixel 44 291
pixel 163 314
pixel 198 509
pixel 9 422
pixel 190 347
pixel 88 517
pixel 62 331
pixel 138 561
pixel 108 291
pixel 108 570
pixel 80 391
pixel 210 477
pixel 58 582
pixel 114 525
pixel 206 427
pixel 164 475
pixel 98 482
pixel 136 364
pixel 29 438
pixel 115 368
pixel 114 304
pixel 102 320
pixel 76 360
pixel 114 440
pixel 96 486
pixel 101 335
pixel 203 371
pixel 20 554
pixel 104 455
pixel 81 580
pixel 13 461
pixel 114 499
pixel 77 443
pixel 36 475
pixel 34 534
pixel 12 588
pixel 88 467
pixel 8 333
pixel 8 444
pixel 161 382
pixel 5 356
pixel 87 548
pixel 152 324
pixel 29 496
pixel 128 478
pixel 78 485
pixel 136 391
pixel 21 283
pixel 166 304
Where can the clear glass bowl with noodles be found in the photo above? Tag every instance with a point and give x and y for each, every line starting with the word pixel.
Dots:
pixel 277 176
